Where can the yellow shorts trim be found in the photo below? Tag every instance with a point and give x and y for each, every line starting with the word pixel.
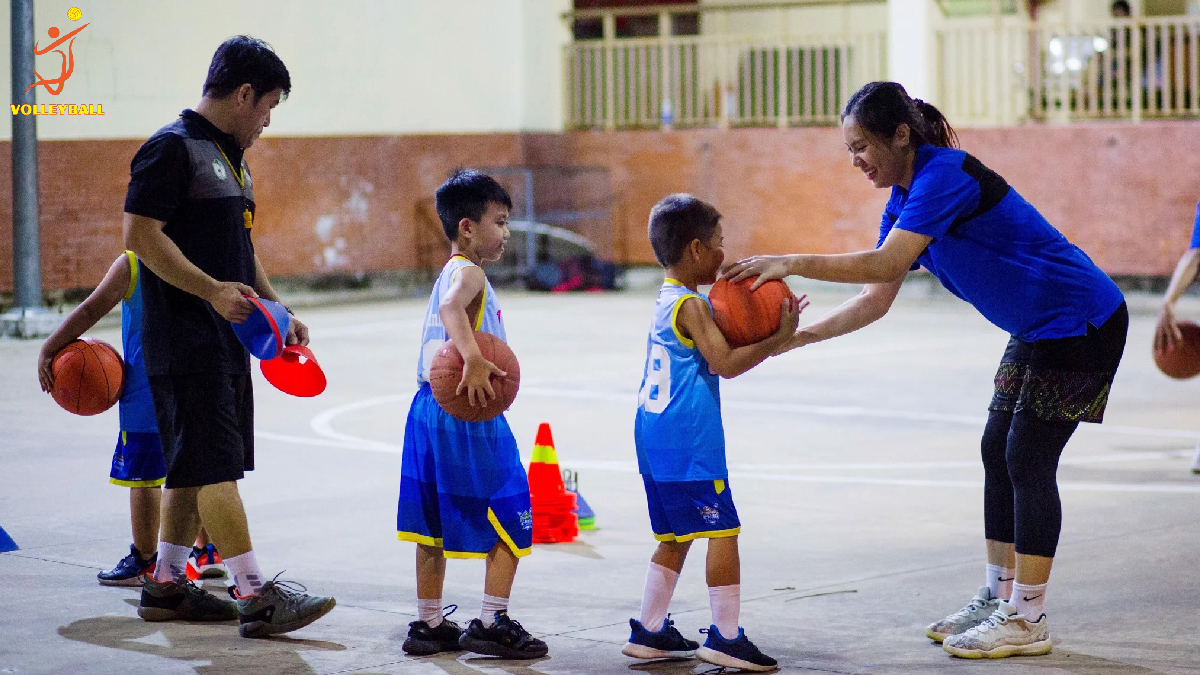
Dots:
pixel 463 554
pixel 710 534
pixel 418 539
pixel 512 546
pixel 138 483
pixel 719 485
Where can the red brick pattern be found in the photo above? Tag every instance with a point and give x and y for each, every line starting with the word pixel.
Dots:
pixel 1126 193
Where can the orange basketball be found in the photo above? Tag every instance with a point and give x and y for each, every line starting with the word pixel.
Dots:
pixel 1183 361
pixel 88 376
pixel 746 317
pixel 447 370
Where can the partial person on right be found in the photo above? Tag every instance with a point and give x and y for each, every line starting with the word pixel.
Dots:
pixel 1167 334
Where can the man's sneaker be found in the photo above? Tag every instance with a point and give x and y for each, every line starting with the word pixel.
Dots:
pixel 975 613
pixel 505 638
pixel 280 607
pixel 1004 633
pixel 667 643
pixel 206 563
pixel 1196 460
pixel 182 601
pixel 423 640
pixel 130 571
pixel 739 652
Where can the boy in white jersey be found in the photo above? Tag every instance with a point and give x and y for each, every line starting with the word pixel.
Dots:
pixel 463 490
pixel 681 442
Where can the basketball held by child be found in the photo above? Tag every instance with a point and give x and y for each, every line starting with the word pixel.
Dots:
pixel 88 377
pixel 446 372
pixel 1181 361
pixel 744 316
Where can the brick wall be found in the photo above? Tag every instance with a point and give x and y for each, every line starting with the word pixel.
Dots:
pixel 1125 193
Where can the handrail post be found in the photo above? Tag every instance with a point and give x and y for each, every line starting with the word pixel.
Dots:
pixel 610 67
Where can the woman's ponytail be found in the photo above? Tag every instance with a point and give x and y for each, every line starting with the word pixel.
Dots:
pixel 881 107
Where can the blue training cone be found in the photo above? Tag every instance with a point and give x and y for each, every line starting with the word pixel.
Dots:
pixel 587 517
pixel 6 542
pixel 264 332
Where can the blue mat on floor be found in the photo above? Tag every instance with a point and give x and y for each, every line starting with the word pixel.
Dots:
pixel 6 542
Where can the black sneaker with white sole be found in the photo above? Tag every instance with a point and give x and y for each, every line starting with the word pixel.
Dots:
pixel 280 607
pixel 505 638
pixel 665 643
pixel 738 653
pixel 182 601
pixel 424 641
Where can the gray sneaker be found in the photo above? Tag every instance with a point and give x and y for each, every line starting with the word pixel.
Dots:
pixel 975 613
pixel 1004 633
pixel 182 601
pixel 280 607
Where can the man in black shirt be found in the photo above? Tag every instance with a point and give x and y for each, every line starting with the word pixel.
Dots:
pixel 189 215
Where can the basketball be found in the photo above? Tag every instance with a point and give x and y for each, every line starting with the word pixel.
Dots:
pixel 447 370
pixel 88 376
pixel 746 316
pixel 1183 361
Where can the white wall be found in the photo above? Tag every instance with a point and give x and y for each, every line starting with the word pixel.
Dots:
pixel 357 66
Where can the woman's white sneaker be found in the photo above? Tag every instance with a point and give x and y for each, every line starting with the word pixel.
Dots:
pixel 1004 633
pixel 977 611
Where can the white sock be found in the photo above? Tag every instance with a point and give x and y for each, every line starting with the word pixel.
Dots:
pixel 1029 599
pixel 726 602
pixel 172 562
pixel 430 611
pixel 999 581
pixel 491 605
pixel 246 575
pixel 656 597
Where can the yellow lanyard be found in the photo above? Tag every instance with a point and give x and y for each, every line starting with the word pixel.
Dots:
pixel 247 217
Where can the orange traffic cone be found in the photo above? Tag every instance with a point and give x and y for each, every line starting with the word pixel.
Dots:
pixel 554 520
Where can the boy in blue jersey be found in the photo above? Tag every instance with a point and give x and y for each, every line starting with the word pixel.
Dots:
pixel 463 490
pixel 681 442
pixel 1167 334
pixel 138 458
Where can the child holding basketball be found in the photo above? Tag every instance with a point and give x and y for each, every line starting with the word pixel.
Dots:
pixel 463 490
pixel 138 458
pixel 681 442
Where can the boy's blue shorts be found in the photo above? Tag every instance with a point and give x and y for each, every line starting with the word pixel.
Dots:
pixel 687 510
pixel 462 485
pixel 138 460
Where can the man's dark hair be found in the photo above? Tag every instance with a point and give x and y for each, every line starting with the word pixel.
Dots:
pixel 466 194
pixel 241 60
pixel 676 221
pixel 1120 8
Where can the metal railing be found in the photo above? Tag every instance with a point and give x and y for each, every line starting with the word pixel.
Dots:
pixel 717 79
pixel 1008 71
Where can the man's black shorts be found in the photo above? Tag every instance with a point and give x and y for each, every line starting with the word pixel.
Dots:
pixel 206 422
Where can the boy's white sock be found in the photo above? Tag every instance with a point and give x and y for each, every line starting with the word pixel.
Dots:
pixel 1030 600
pixel 999 581
pixel 726 603
pixel 491 605
pixel 172 562
pixel 246 575
pixel 656 597
pixel 430 611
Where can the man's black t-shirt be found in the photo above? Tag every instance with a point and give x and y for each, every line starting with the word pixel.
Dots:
pixel 184 179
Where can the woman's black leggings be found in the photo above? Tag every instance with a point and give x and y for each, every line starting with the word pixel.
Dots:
pixel 1020 487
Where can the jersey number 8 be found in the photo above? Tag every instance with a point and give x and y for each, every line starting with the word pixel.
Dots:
pixel 656 390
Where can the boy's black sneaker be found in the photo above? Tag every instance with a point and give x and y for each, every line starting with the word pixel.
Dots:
pixel 739 652
pixel 182 601
pixel 423 640
pixel 505 638
pixel 666 643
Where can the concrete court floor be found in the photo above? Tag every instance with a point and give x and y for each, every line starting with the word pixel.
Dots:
pixel 854 466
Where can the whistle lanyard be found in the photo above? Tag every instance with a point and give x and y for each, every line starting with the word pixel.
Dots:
pixel 247 216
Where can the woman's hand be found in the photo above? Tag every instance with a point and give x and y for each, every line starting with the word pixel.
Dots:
pixel 765 267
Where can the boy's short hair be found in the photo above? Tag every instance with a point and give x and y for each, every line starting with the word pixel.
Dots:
pixel 675 221
pixel 246 60
pixel 466 194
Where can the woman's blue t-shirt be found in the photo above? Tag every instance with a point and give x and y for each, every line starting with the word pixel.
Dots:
pixel 1196 229
pixel 993 249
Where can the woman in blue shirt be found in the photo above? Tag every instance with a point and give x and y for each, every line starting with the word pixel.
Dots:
pixel 961 221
